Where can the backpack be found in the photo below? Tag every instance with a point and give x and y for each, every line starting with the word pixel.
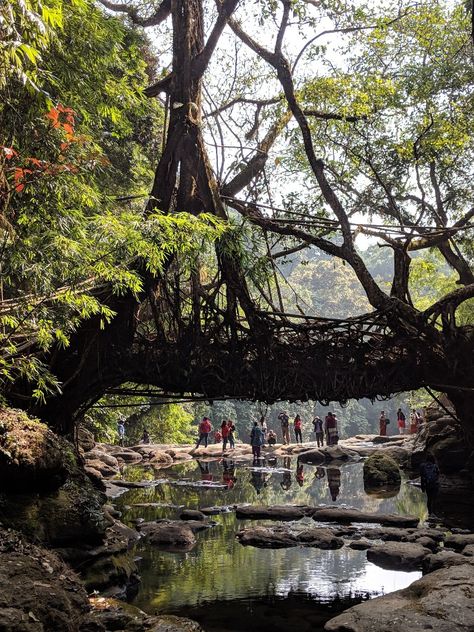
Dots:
pixel 430 473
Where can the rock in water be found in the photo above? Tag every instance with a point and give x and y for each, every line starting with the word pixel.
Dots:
pixel 381 470
pixel 281 537
pixel 398 556
pixel 442 601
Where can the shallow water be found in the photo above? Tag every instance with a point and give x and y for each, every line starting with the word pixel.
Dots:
pixel 229 587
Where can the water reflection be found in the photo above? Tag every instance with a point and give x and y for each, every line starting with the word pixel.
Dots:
pixel 219 569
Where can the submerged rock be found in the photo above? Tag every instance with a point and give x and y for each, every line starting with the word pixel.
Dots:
pixel 380 469
pixel 192 514
pixel 283 537
pixel 342 515
pixel 273 512
pixel 442 601
pixel 404 556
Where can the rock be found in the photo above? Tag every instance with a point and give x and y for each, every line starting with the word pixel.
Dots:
pixel 192 514
pixel 283 537
pixel 458 542
pixel 443 559
pixel 381 470
pixel 110 614
pixel 100 468
pixel 313 457
pixel 214 511
pixel 339 453
pixel 32 457
pixel 398 555
pixel 84 438
pixel 468 550
pixel 127 456
pixel 99 455
pixel 442 601
pixel 342 515
pixel 273 512
pixel 174 533
pixel 360 545
pixel 388 439
pixel 398 453
pixel 37 590
pixel 443 437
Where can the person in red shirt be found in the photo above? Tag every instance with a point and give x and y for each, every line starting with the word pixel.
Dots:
pixel 298 425
pixel 204 430
pixel 225 430
pixel 383 421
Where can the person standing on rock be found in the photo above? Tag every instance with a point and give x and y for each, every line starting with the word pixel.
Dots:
pixel 430 481
pixel 225 434
pixel 285 427
pixel 121 431
pixel 383 421
pixel 413 422
pixel 318 430
pixel 204 430
pixel 330 428
pixel 298 424
pixel 231 435
pixel 401 421
pixel 256 440
pixel 145 436
pixel 263 426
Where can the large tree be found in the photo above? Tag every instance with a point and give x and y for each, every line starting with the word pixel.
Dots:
pixel 369 137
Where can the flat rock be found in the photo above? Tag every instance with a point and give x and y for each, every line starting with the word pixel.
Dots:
pixel 214 511
pixel 458 542
pixel 342 515
pixel 360 545
pixel 280 537
pixel 442 601
pixel 443 559
pixel 128 456
pixel 192 514
pixel 273 512
pixel 175 533
pixel 398 555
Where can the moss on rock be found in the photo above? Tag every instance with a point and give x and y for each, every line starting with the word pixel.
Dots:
pixel 380 469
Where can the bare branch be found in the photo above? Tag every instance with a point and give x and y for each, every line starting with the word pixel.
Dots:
pixel 329 116
pixel 159 16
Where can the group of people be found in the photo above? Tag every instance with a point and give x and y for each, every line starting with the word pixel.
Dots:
pixel 414 426
pixel 327 428
pixel 225 434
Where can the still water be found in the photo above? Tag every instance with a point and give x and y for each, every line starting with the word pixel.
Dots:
pixel 228 587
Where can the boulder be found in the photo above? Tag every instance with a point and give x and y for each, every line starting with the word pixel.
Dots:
pixel 273 512
pixel 403 556
pixel 99 468
pixel 313 457
pixel 192 514
pixel 214 511
pixel 32 457
pixel 459 541
pixel 110 614
pixel 444 438
pixel 380 469
pixel 127 456
pixel 360 545
pixel 398 453
pixel 170 533
pixel 342 515
pixel 280 537
pixel 99 455
pixel 37 590
pixel 442 601
pixel 84 438
pixel 443 559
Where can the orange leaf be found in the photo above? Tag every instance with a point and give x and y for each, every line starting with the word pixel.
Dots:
pixel 19 188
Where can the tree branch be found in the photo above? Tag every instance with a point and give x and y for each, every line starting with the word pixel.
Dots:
pixel 159 16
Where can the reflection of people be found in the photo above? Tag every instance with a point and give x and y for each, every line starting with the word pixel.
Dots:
pixel 286 480
pixel 300 474
pixel 320 473
pixel 318 430
pixel 256 440
pixel 285 427
pixel 228 475
pixel 330 427
pixel 430 481
pixel 205 472
pixel 298 426
pixel 383 421
pixel 334 481
pixel 258 480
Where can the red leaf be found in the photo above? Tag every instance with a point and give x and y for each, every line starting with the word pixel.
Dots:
pixel 19 188
pixel 9 152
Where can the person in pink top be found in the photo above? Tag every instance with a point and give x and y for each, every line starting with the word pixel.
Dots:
pixel 401 421
pixel 298 426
